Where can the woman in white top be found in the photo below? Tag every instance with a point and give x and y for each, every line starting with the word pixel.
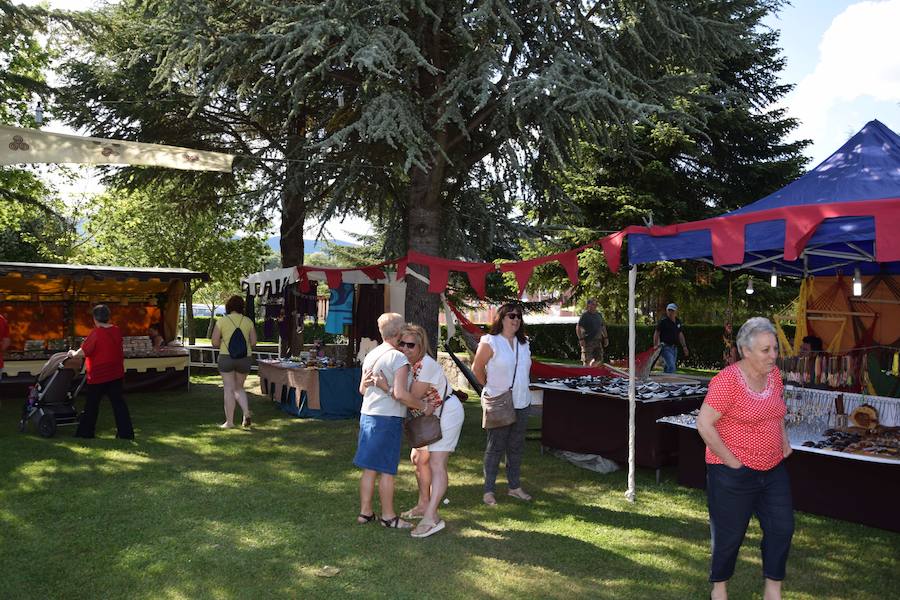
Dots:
pixel 234 369
pixel 503 362
pixel 427 381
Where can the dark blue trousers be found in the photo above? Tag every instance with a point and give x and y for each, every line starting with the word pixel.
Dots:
pixel 88 422
pixel 733 495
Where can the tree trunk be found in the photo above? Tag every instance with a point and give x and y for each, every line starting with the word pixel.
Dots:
pixel 424 234
pixel 293 217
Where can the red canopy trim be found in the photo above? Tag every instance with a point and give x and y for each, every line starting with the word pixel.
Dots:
pixel 801 222
pixel 439 271
pixel 539 369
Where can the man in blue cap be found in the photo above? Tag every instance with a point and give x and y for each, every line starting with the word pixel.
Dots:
pixel 669 333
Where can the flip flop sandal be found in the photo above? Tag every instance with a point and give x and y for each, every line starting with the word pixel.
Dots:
pixel 490 499
pixel 410 515
pixel 426 529
pixel 365 518
pixel 520 494
pixel 395 523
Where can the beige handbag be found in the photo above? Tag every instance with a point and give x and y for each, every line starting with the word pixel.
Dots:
pixel 498 411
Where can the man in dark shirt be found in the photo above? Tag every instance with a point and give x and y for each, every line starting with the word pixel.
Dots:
pixel 670 335
pixel 592 336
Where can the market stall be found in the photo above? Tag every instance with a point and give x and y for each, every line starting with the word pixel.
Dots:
pixel 48 307
pixel 590 416
pixel 841 471
pixel 841 217
pixel 298 389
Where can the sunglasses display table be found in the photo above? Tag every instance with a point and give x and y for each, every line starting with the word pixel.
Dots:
pixel 841 485
pixel 331 393
pixel 592 422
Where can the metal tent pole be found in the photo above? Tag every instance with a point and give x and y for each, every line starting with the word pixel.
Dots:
pixel 632 278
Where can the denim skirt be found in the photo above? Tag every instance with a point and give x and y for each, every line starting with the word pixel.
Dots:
pixel 378 448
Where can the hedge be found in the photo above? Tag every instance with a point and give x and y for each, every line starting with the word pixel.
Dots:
pixel 311 332
pixel 558 340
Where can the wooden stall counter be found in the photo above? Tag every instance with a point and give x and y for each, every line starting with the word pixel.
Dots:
pixel 329 393
pixel 162 372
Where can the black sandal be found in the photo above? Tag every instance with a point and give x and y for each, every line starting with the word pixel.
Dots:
pixel 365 518
pixel 395 523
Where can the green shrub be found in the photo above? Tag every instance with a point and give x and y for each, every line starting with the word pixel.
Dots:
pixel 558 340
pixel 310 331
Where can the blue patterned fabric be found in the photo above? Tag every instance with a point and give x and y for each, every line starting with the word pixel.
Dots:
pixel 340 309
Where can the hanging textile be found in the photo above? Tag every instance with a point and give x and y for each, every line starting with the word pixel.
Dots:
pixel 340 309
pixel 369 306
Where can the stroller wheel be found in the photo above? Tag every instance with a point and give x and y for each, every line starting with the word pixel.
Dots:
pixel 47 426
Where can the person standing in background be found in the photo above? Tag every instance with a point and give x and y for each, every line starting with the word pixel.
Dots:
pixel 669 333
pixel 592 335
pixel 235 336
pixel 4 341
pixel 105 366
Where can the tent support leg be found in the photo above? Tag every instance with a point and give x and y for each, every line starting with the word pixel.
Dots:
pixel 632 279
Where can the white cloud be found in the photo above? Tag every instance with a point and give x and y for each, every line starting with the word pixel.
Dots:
pixel 858 61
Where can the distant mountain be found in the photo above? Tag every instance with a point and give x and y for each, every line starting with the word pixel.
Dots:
pixel 309 246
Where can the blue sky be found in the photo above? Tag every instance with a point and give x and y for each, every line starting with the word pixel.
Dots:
pixel 844 61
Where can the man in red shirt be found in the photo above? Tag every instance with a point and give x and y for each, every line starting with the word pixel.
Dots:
pixel 105 364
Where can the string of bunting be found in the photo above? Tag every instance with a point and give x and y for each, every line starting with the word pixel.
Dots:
pixel 727 235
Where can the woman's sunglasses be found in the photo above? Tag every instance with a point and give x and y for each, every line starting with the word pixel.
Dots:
pixel 513 315
pixel 409 345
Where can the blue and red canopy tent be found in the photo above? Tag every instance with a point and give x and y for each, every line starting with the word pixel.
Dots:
pixel 841 216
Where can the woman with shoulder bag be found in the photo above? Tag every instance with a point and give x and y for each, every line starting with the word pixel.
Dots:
pixel 502 363
pixel 235 336
pixel 427 381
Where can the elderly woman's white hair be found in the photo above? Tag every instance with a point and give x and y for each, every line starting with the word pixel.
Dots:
pixel 390 324
pixel 749 330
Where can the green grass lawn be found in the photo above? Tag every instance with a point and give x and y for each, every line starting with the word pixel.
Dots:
pixel 191 511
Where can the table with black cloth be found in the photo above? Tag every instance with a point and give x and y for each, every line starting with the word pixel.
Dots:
pixel 841 485
pixel 596 423
pixel 330 393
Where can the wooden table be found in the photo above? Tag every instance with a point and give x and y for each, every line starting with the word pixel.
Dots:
pixel 299 390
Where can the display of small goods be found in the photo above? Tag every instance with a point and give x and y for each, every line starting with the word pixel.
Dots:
pixel 58 345
pixel 307 360
pixel 35 345
pixel 882 441
pixel 819 369
pixel 137 345
pixel 618 386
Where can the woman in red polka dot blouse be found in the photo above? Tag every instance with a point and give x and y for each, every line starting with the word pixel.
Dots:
pixel 742 422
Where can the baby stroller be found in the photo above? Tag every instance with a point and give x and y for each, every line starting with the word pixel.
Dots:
pixel 51 401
